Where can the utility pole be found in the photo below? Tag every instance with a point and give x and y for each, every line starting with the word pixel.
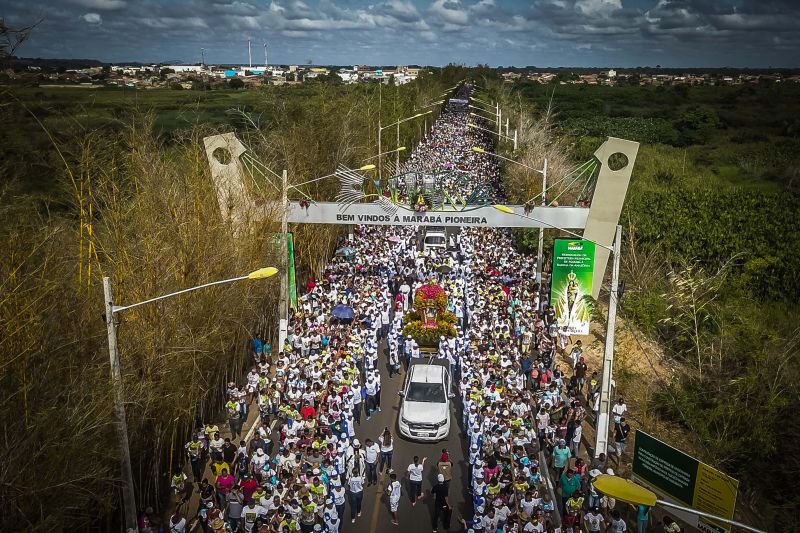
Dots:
pixel 249 54
pixel 202 58
pixel 601 439
pixel 128 493
pixel 380 108
pixel 540 250
pixel 515 147
pixel 284 310
pixel 515 140
pixel 397 153
pixel 499 120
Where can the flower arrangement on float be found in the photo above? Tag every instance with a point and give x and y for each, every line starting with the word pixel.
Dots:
pixel 429 321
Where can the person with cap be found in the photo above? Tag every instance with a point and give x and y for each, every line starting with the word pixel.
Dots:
pixel 594 495
pixel 330 517
pixel 206 515
pixel 339 494
pixel 441 503
pixel 394 491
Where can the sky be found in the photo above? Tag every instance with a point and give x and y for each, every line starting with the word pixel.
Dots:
pixel 580 33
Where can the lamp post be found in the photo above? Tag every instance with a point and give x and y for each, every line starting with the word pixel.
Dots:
pixel 397 124
pixel 401 149
pixel 128 494
pixel 601 437
pixel 630 492
pixel 498 133
pixel 543 172
pixel 440 102
pixel 362 168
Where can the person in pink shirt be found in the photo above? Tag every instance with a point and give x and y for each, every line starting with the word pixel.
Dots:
pixel 225 483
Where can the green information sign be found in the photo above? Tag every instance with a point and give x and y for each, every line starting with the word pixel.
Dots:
pixel 682 478
pixel 573 266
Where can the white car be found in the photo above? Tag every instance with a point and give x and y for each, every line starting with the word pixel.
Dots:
pixel 425 409
pixel 435 239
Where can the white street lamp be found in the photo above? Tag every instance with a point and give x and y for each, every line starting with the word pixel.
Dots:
pixel 397 124
pixel 128 493
pixel 512 139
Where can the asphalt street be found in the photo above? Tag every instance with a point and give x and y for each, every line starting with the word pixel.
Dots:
pixel 375 515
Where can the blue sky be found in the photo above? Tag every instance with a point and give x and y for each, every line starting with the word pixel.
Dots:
pixel 621 33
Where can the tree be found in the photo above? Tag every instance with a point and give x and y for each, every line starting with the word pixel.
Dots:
pixel 235 83
pixel 12 38
pixel 696 124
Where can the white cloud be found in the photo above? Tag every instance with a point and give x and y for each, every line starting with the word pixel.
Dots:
pixel 450 12
pixel 595 7
pixel 103 5
pixel 92 18
pixel 174 23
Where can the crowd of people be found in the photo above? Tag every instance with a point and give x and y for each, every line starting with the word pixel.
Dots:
pixel 523 387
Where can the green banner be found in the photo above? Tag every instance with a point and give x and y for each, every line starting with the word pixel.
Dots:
pixel 571 284
pixel 292 280
pixel 682 478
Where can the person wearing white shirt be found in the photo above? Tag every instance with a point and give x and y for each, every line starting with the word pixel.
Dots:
pixel 371 453
pixel 415 479
pixel 619 410
pixel 355 484
pixel 394 496
pixel 338 494
pixel 330 517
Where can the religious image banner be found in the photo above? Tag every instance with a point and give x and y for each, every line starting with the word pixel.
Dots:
pixel 571 286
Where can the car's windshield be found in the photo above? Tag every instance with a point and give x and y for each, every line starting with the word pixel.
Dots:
pixel 434 239
pixel 425 392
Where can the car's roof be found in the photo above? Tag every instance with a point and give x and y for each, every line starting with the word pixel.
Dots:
pixel 427 373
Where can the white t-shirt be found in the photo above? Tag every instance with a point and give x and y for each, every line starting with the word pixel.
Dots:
pixel 371 453
pixel 593 521
pixel 618 526
pixel 385 448
pixel 530 528
pixel 250 515
pixel 415 472
pixel 355 483
pixel 394 490
pixel 619 410
pixel 180 527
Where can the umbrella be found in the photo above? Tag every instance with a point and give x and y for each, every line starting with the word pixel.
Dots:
pixel 444 269
pixel 344 312
pixel 394 238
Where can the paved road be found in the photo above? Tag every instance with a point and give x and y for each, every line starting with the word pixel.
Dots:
pixel 375 515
